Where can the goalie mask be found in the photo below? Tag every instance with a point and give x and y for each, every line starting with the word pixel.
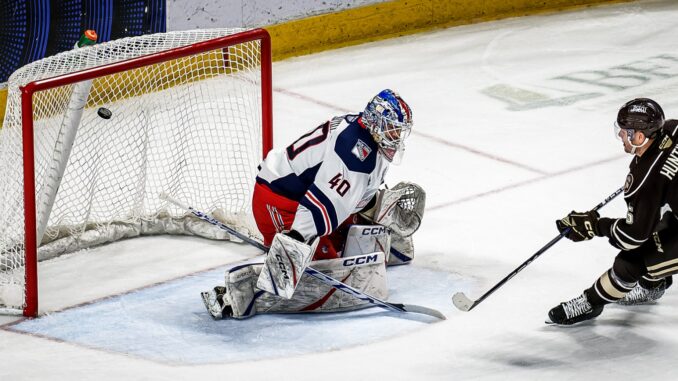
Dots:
pixel 389 120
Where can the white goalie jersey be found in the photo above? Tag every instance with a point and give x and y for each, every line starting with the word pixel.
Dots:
pixel 332 171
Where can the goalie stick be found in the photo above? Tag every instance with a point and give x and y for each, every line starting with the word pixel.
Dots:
pixel 326 279
pixel 464 303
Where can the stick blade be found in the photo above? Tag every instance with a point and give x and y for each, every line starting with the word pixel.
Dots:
pixel 462 302
pixel 423 310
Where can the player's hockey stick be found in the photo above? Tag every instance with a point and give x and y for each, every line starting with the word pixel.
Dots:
pixel 328 280
pixel 462 302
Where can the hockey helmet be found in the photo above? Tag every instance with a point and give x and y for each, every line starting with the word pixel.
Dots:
pixel 389 120
pixel 641 114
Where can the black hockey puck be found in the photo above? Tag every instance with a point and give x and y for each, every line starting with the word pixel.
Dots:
pixel 104 113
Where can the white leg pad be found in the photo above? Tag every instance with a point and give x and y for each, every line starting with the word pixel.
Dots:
pixel 366 273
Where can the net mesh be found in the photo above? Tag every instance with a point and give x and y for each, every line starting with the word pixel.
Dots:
pixel 188 126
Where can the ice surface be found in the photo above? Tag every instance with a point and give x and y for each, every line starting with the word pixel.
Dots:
pixel 513 129
pixel 157 323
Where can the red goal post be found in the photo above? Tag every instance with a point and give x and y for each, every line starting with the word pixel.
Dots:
pixel 29 108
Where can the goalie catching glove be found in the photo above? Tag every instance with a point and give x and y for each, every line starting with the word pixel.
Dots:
pixel 400 208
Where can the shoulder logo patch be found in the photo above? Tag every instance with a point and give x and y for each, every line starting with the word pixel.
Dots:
pixel 628 183
pixel 361 150
pixel 666 143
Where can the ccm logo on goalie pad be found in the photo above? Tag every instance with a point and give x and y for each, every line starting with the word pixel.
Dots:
pixel 375 230
pixel 361 260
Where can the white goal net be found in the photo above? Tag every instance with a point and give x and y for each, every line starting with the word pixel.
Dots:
pixel 187 122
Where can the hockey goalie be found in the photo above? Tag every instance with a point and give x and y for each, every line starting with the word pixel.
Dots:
pixel 321 203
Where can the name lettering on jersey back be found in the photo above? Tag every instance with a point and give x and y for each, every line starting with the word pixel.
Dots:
pixel 670 167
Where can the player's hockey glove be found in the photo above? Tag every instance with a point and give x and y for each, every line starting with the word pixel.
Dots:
pixel 582 225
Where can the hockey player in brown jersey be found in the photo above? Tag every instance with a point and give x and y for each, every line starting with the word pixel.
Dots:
pixel 648 236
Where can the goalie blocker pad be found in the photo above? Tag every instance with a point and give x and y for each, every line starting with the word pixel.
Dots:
pixel 285 263
pixel 366 272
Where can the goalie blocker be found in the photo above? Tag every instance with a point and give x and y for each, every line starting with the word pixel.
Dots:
pixel 285 263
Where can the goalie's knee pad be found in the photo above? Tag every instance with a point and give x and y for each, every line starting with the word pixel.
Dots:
pixel 369 238
pixel 365 272
pixel 363 239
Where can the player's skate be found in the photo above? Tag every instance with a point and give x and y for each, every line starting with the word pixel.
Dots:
pixel 645 292
pixel 574 311
pixel 214 301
